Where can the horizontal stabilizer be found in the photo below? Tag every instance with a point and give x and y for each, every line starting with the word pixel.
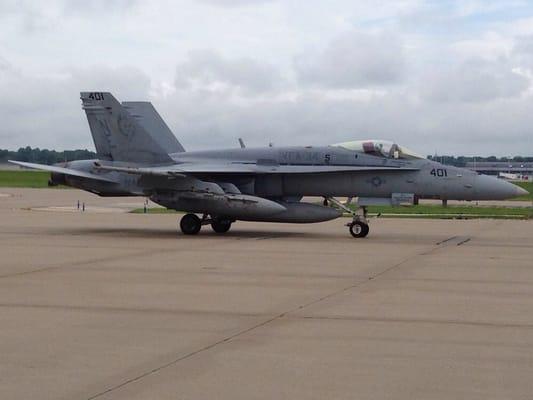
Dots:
pixel 155 171
pixel 61 170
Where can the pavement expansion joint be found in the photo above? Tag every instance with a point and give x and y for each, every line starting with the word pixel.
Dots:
pixel 463 241
pixel 415 320
pixel 284 314
pixel 446 240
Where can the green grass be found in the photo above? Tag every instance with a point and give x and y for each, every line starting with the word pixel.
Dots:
pixel 24 179
pixel 431 211
pixel 529 187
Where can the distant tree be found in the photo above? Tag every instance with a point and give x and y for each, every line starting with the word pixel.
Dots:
pixel 45 156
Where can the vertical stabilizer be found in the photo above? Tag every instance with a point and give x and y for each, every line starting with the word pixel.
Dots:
pixel 146 114
pixel 117 135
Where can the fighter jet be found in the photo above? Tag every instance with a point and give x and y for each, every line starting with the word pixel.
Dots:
pixel 139 156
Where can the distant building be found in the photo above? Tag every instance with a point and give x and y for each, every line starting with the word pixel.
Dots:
pixel 523 170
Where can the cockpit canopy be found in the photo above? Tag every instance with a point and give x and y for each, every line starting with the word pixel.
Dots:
pixel 380 148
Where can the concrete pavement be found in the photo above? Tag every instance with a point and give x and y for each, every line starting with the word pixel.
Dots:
pixel 121 306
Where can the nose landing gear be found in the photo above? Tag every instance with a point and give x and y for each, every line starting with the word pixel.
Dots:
pixel 359 225
pixel 358 228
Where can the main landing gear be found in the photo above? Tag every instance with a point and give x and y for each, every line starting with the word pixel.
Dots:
pixel 359 225
pixel 191 224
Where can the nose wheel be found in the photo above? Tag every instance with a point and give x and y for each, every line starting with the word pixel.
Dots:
pixel 359 225
pixel 358 229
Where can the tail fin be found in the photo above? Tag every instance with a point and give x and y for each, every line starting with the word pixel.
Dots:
pixel 145 113
pixel 116 134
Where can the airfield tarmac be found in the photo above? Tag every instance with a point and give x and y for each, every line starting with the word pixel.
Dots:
pixel 120 306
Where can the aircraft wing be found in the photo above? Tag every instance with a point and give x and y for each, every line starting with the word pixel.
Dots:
pixel 183 170
pixel 61 170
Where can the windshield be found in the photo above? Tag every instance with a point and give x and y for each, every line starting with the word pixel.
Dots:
pixel 380 148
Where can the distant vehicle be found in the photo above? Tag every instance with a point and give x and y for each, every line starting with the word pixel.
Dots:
pixel 139 156
pixel 514 177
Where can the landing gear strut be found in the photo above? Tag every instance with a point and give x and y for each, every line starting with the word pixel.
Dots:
pixel 359 225
pixel 191 224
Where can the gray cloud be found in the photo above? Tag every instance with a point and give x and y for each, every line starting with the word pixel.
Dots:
pixel 473 81
pixel 523 45
pixel 276 72
pixel 46 111
pixel 235 3
pixel 354 60
pixel 27 16
pixel 522 52
pixel 127 82
pixel 31 17
pixel 215 122
pixel 83 7
pixel 206 69
pixel 5 66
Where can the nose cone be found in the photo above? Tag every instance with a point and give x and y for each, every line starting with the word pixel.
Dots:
pixel 520 191
pixel 491 188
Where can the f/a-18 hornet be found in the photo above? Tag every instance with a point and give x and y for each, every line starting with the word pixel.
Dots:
pixel 139 156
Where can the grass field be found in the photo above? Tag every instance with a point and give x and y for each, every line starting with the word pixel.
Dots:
pixel 24 179
pixel 430 211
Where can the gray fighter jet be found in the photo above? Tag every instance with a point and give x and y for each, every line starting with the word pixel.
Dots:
pixel 139 156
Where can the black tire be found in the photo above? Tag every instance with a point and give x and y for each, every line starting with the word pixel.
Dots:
pixel 359 229
pixel 221 225
pixel 190 224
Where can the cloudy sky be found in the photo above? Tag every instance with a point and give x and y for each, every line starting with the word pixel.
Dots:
pixel 452 77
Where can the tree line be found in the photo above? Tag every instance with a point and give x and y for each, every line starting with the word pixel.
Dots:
pixel 460 161
pixel 45 156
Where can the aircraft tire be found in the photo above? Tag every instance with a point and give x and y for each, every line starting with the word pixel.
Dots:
pixel 190 224
pixel 221 225
pixel 359 229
